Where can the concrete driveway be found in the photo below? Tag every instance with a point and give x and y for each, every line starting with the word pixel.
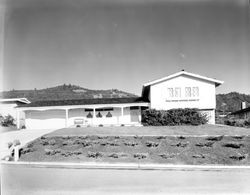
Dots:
pixel 24 136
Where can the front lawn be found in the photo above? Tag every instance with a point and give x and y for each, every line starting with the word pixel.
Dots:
pixel 225 150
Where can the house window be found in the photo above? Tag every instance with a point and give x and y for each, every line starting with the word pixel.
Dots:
pixel 188 91
pixel 177 92
pixel 89 115
pixel 108 115
pixel 195 91
pixel 170 92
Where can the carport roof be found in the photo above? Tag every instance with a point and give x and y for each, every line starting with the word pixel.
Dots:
pixel 84 102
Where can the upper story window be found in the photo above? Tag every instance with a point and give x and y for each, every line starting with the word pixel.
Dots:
pixel 177 92
pixel 170 92
pixel 195 91
pixel 188 91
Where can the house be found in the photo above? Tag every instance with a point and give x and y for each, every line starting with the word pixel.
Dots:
pixel 243 113
pixel 8 107
pixel 183 90
pixel 179 90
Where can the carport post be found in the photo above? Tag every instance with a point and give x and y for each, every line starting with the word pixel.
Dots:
pixel 67 117
pixel 17 119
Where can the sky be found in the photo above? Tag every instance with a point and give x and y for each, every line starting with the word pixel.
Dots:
pixel 122 44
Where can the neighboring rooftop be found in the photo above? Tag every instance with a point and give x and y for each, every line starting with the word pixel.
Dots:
pixel 241 111
pixel 85 102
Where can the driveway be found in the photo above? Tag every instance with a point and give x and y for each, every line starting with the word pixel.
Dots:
pixel 24 136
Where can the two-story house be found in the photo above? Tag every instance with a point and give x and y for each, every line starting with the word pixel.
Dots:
pixel 183 90
pixel 179 90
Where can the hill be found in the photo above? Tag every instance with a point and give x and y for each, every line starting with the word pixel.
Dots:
pixel 231 102
pixel 64 92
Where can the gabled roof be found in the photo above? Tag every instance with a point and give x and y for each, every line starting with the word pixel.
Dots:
pixel 85 102
pixel 21 100
pixel 146 86
pixel 217 82
pixel 240 111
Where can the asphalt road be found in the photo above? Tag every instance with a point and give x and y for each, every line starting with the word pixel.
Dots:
pixel 24 179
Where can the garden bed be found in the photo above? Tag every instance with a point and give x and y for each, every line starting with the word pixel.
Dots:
pixel 225 150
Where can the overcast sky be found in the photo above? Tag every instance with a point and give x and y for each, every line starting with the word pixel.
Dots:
pixel 122 44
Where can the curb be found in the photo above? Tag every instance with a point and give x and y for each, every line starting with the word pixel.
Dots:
pixel 126 166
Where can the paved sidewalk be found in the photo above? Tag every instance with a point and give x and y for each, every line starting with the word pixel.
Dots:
pixel 24 136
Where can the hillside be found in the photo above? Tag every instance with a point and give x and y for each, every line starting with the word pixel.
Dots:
pixel 231 102
pixel 64 92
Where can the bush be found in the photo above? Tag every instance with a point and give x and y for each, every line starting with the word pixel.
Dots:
pixel 237 122
pixel 151 117
pixel 7 121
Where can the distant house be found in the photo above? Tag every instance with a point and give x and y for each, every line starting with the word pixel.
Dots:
pixel 179 90
pixel 244 113
pixel 8 107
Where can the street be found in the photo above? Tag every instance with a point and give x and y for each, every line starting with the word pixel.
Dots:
pixel 26 179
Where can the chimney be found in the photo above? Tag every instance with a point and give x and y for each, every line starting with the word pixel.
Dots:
pixel 243 105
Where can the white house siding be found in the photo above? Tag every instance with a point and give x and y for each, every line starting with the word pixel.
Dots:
pixel 45 119
pixel 160 100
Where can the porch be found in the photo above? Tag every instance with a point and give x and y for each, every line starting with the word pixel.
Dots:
pixel 80 115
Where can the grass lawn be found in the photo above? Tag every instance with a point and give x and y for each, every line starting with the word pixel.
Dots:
pixel 156 130
pixel 224 150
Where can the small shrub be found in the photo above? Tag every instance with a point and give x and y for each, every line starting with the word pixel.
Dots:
pixel 52 142
pixel 152 144
pixel 78 126
pixel 140 155
pixel 101 125
pixel 130 144
pixel 161 137
pixel 180 144
pixel 215 138
pixel 23 127
pixel 206 144
pixel 94 154
pixel 167 156
pixel 238 137
pixel 77 142
pixel 7 121
pixel 77 152
pixel 113 155
pixel 198 156
pixel 27 150
pixel 238 157
pixel 182 137
pixel 233 145
pixel 45 143
pixel 66 154
pixel 86 144
pixel 43 137
pixel 30 145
